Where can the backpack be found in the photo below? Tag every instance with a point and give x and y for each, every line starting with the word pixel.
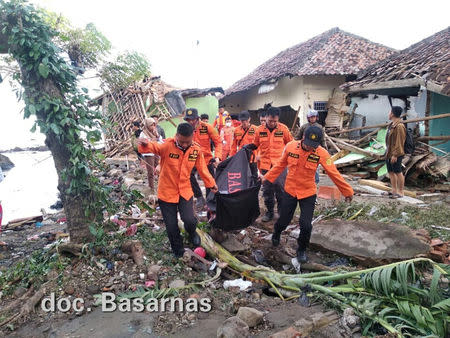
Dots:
pixel 409 142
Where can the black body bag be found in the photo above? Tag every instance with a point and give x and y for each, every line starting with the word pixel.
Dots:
pixel 236 205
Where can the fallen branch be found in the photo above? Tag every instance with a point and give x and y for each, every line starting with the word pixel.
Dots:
pixel 388 284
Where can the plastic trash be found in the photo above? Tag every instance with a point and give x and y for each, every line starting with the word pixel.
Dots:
pixel 150 283
pixel 200 251
pixel 296 264
pixel 242 284
pixel 38 224
pixel 135 211
pixel 373 210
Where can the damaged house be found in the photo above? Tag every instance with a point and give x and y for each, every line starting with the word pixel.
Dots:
pixel 417 79
pixel 148 97
pixel 306 76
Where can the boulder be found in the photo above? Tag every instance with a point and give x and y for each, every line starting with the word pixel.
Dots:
pixel 233 327
pixel 5 163
pixel 250 316
pixel 370 242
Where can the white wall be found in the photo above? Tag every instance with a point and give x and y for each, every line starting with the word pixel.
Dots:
pixel 296 91
pixel 376 107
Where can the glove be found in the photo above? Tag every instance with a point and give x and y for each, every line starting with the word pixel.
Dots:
pixel 250 146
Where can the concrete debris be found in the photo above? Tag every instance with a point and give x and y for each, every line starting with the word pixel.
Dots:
pixel 250 316
pixel 369 243
pixel 233 327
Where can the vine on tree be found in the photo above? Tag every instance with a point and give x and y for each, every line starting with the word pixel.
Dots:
pixel 53 96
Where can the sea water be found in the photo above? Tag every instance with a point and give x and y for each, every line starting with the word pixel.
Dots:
pixel 29 186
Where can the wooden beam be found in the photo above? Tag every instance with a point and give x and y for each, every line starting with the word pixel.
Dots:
pixel 296 118
pixel 384 187
pixel 340 154
pixel 382 125
pixel 366 137
pixel 328 138
pixel 434 138
pixel 355 149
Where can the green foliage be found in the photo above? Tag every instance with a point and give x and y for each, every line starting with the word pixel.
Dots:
pixel 395 297
pixel 86 46
pixel 32 270
pixel 127 68
pixel 61 109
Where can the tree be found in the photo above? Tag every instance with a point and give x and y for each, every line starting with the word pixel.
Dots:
pixel 51 93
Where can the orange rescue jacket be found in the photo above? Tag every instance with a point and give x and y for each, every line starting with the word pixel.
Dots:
pixel 203 135
pixel 302 166
pixel 241 138
pixel 271 144
pixel 227 137
pixel 176 168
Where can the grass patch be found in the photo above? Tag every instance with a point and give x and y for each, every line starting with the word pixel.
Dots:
pixel 32 270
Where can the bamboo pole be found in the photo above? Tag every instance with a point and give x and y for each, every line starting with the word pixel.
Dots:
pixel 382 125
pixel 434 138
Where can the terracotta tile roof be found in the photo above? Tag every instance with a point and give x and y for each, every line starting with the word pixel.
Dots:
pixel 334 52
pixel 428 62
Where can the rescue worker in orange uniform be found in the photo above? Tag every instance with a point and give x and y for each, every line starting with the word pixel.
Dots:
pixel 244 134
pixel 219 121
pixel 302 158
pixel 179 155
pixel 270 140
pixel 227 136
pixel 204 133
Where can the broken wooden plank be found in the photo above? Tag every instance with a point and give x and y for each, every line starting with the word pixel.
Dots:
pixel 366 137
pixel 384 187
pixel 23 221
pixel 373 167
pixel 331 142
pixel 339 155
pixel 355 149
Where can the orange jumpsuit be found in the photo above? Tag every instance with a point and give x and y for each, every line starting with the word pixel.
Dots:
pixel 203 135
pixel 219 122
pixel 227 136
pixel 176 168
pixel 300 187
pixel 302 167
pixel 271 144
pixel 242 138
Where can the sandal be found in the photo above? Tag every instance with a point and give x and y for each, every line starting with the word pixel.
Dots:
pixel 385 193
pixel 395 196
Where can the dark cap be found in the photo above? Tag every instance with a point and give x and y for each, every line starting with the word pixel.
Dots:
pixel 204 116
pixel 191 114
pixel 244 115
pixel 313 136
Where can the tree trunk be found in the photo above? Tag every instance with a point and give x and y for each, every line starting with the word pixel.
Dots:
pixel 74 206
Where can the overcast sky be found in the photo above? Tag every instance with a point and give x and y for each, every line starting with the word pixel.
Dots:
pixel 234 36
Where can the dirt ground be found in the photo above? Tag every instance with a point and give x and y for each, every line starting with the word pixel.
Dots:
pixel 85 278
